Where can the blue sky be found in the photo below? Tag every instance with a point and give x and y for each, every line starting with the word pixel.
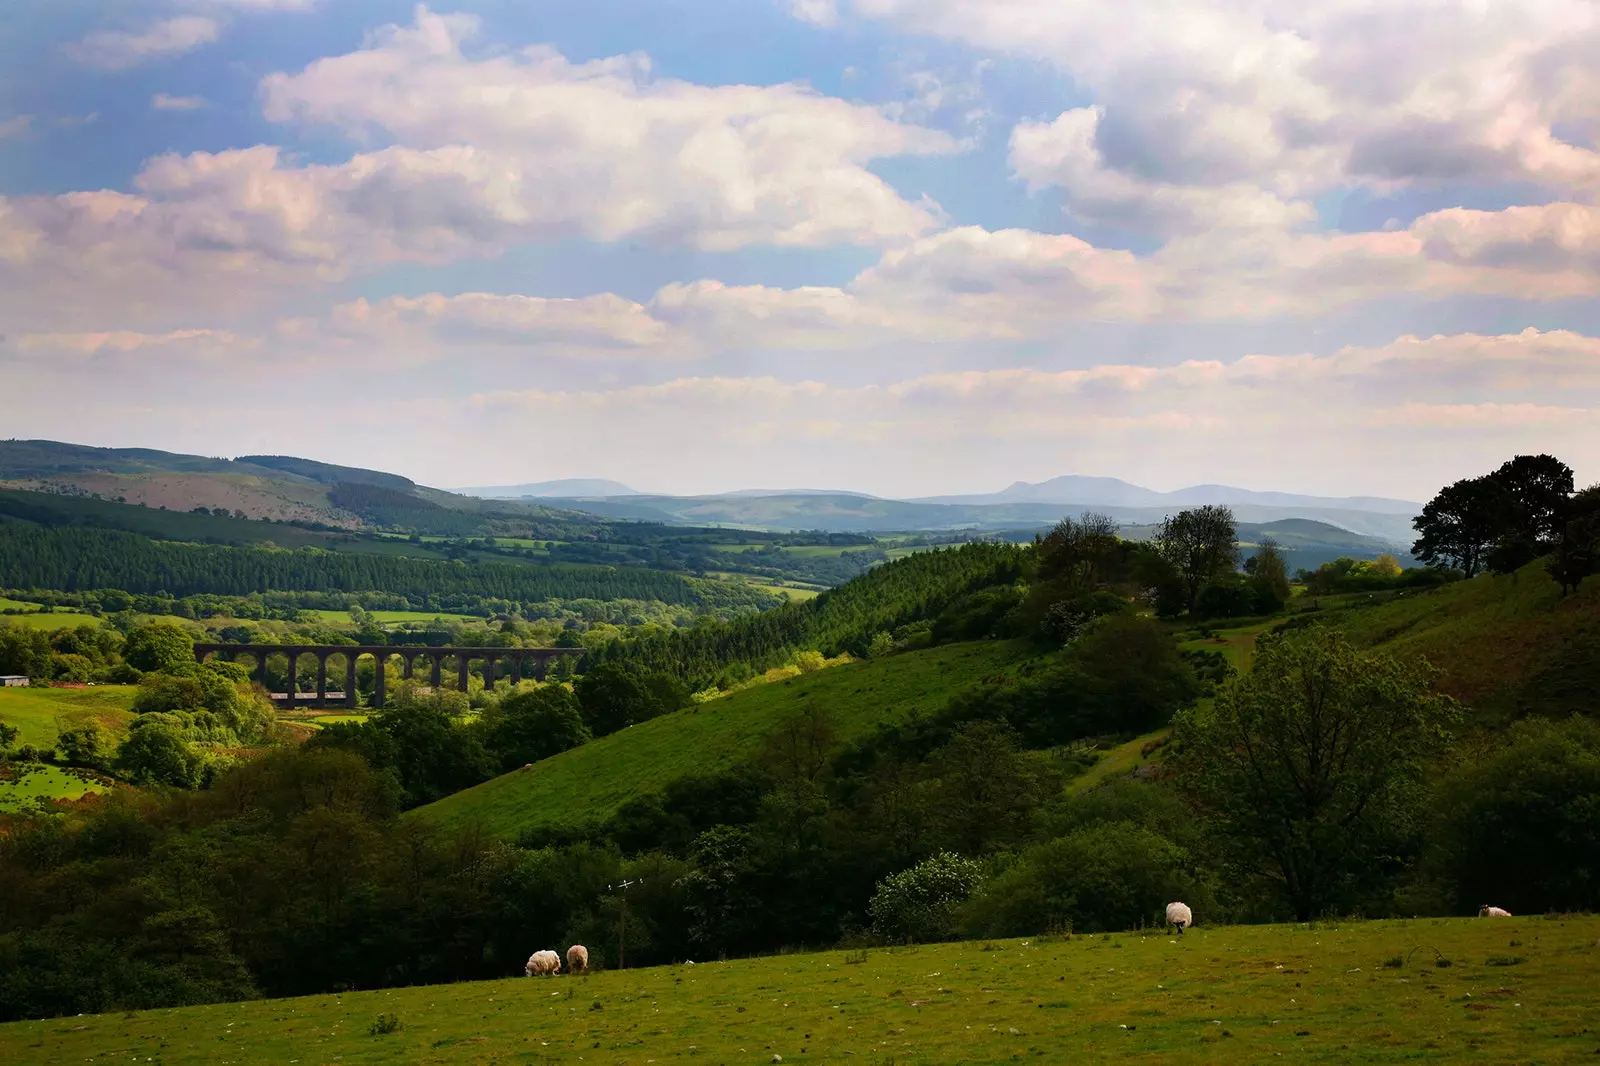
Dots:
pixel 903 246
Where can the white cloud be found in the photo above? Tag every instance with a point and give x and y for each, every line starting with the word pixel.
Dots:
pixel 15 126
pixel 164 102
pixel 121 49
pixel 1228 109
pixel 820 12
pixel 605 151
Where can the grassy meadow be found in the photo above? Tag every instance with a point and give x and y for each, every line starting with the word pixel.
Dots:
pixel 39 712
pixel 1436 990
pixel 23 785
pixel 589 783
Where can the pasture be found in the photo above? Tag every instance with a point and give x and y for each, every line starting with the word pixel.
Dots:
pixel 39 712
pixel 23 785
pixel 1436 990
pixel 332 617
pixel 53 619
pixel 589 783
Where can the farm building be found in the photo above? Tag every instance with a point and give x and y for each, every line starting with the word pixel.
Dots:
pixel 13 681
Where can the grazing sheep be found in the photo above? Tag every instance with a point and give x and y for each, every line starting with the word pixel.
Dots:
pixel 1487 911
pixel 541 963
pixel 1180 915
pixel 577 959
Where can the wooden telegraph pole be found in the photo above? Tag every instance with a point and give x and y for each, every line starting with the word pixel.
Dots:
pixel 621 889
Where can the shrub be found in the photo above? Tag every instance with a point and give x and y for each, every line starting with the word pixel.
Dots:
pixel 156 753
pixel 1109 876
pixel 921 903
pixel 158 646
pixel 91 746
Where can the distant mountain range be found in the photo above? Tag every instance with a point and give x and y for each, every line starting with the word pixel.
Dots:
pixel 290 488
pixel 568 488
pixel 1023 504
pixel 1111 492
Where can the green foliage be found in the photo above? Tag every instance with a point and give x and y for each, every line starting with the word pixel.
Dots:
pixel 84 559
pixel 1501 521
pixel 921 904
pixel 8 736
pixel 535 724
pixel 157 752
pixel 1107 876
pixel 159 646
pixel 421 740
pixel 24 651
pixel 590 783
pixel 977 615
pixel 613 696
pixel 1311 766
pixel 1200 545
pixel 909 590
pixel 1520 828
pixel 90 745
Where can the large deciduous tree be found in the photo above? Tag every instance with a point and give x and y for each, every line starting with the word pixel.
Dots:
pixel 1311 767
pixel 1201 544
pixel 1460 525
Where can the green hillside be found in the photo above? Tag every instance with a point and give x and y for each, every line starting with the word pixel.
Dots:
pixel 589 783
pixel 1442 990
pixel 1509 644
pixel 40 713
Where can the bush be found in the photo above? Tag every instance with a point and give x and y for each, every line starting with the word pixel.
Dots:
pixel 1102 877
pixel 156 753
pixel 1521 828
pixel 1066 620
pixel 159 646
pixel 91 746
pixel 535 724
pixel 921 904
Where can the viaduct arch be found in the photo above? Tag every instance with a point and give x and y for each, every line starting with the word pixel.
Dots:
pixel 523 662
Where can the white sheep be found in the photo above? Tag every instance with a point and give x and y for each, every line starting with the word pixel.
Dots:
pixel 1487 911
pixel 1180 915
pixel 577 959
pixel 541 963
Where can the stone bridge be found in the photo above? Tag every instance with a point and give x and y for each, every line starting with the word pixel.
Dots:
pixel 519 661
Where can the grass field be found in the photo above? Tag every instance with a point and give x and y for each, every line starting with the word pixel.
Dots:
pixel 799 551
pixel 23 784
pixel 1516 990
pixel 1237 644
pixel 36 711
pixel 790 591
pixel 589 783
pixel 37 619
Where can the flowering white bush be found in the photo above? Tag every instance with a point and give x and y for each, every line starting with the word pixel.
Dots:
pixel 920 904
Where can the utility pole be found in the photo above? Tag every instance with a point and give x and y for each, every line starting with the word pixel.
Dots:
pixel 621 888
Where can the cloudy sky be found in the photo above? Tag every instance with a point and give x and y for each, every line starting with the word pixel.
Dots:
pixel 900 246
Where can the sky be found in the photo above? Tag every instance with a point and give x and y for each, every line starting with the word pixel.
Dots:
pixel 906 247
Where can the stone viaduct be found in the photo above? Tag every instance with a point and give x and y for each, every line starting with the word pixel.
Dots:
pixel 519 660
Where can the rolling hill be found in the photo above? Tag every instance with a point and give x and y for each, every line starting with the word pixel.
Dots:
pixel 588 784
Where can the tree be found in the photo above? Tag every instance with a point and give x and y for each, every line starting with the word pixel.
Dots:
pixel 1461 524
pixel 90 745
pixel 1521 828
pixel 158 647
pixel 8 736
pixel 156 753
pixel 534 725
pixel 1269 578
pixel 1078 553
pixel 1311 766
pixel 1538 489
pixel 1577 551
pixel 1200 544
pixel 612 697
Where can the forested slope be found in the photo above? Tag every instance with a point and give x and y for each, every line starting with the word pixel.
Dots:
pixel 81 559
pixel 843 619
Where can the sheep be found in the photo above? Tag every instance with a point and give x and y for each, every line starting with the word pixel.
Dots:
pixel 541 963
pixel 1180 915
pixel 577 959
pixel 1487 911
